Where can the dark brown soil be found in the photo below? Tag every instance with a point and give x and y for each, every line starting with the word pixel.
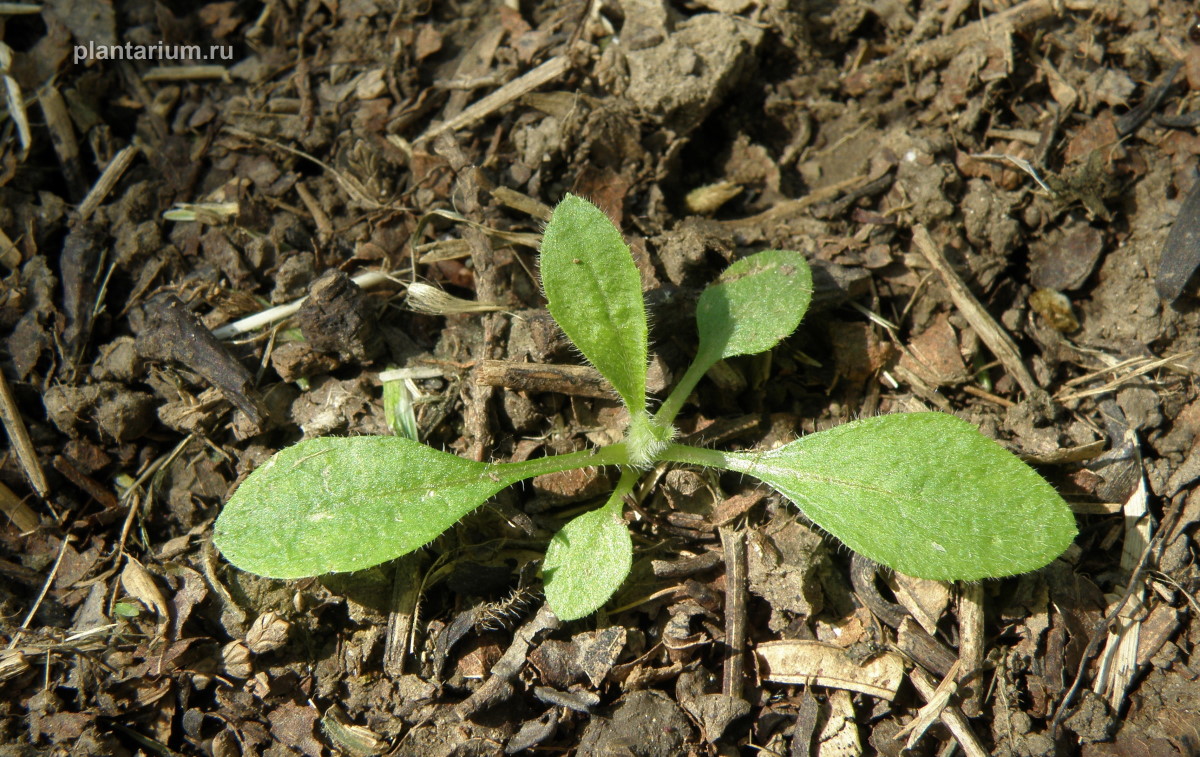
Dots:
pixel 1043 149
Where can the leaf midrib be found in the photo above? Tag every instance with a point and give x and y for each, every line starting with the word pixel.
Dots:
pixel 610 321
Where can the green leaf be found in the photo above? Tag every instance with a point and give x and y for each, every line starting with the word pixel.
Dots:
pixel 343 504
pixel 398 409
pixel 923 493
pixel 755 304
pixel 594 291
pixel 586 562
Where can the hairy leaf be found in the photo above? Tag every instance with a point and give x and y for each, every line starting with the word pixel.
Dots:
pixel 756 303
pixel 586 563
pixel 923 493
pixel 342 504
pixel 594 291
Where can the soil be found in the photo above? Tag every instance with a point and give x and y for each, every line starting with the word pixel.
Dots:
pixel 999 201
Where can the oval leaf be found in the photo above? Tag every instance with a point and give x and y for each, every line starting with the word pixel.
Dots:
pixel 757 302
pixel 343 504
pixel 923 493
pixel 594 291
pixel 586 562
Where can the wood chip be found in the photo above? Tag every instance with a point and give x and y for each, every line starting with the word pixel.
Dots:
pixel 18 436
pixel 538 378
pixel 839 734
pixel 62 136
pixel 174 333
pixel 1181 252
pixel 15 509
pixel 926 600
pixel 819 664
pixel 577 380
pixel 970 643
pixel 916 643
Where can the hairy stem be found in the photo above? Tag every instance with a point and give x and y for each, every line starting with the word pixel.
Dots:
pixel 616 502
pixel 614 454
pixel 674 403
pixel 708 458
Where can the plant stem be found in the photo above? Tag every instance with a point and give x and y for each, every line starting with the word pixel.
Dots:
pixel 674 403
pixel 613 454
pixel 708 458
pixel 616 502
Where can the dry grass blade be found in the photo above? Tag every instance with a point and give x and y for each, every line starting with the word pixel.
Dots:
pixel 279 312
pixel 950 716
pixel 14 100
pixel 15 661
pixel 932 710
pixel 531 80
pixel 1020 163
pixel 1137 367
pixel 423 298
pixel 1118 660
pixel 62 552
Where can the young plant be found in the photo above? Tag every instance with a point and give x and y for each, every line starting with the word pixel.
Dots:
pixel 923 493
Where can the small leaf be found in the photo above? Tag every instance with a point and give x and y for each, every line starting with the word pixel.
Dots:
pixel 755 304
pixel 343 504
pixel 586 562
pixel 594 291
pixel 923 493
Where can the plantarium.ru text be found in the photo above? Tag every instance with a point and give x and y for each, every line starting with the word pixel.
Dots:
pixel 923 493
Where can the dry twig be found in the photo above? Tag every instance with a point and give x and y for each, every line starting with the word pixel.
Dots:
pixel 18 436
pixel 529 81
pixel 950 715
pixel 992 333
pixel 733 544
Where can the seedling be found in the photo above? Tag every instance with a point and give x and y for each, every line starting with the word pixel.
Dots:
pixel 923 493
